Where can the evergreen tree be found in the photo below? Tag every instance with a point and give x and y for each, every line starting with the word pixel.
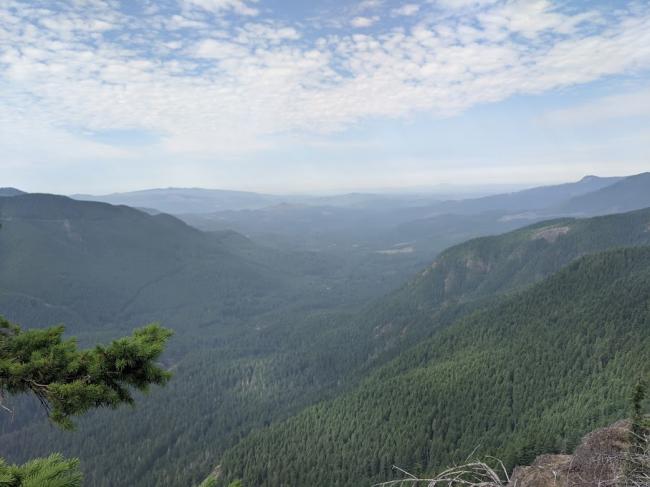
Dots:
pixel 640 427
pixel 53 471
pixel 638 397
pixel 69 382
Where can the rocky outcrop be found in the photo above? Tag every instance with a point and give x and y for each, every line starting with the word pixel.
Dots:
pixel 598 461
pixel 551 234
pixel 546 471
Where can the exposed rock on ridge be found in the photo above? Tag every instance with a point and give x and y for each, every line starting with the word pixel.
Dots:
pixel 598 461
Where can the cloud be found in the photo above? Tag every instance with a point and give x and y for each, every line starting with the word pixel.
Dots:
pixel 612 107
pixel 533 17
pixel 363 21
pixel 216 49
pixel 406 10
pixel 462 4
pixel 368 5
pixel 211 86
pixel 241 7
pixel 252 33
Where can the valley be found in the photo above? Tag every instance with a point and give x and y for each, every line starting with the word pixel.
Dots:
pixel 284 352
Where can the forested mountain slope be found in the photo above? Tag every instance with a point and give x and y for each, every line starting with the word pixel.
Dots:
pixel 494 264
pixel 479 269
pixel 97 266
pixel 529 374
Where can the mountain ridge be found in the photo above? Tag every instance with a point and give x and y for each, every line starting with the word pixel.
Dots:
pixel 179 200
pixel 4 192
pixel 630 193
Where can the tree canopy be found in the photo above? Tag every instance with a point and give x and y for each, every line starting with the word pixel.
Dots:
pixel 69 382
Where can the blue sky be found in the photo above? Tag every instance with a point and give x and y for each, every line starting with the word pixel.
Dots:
pixel 286 95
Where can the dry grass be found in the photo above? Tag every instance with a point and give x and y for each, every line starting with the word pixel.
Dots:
pixel 637 464
pixel 630 468
pixel 473 474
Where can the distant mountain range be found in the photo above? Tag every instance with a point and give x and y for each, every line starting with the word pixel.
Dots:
pixel 185 200
pixel 408 227
pixel 425 228
pixel 583 197
pixel 179 201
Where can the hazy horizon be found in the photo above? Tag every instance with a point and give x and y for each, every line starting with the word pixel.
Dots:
pixel 443 189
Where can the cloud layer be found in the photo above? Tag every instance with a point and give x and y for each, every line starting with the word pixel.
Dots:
pixel 215 77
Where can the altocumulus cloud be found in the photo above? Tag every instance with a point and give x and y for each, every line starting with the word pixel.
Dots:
pixel 212 77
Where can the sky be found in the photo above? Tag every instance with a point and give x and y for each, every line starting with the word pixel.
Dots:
pixel 98 96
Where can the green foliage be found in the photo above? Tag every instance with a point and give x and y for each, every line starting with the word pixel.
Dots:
pixel 636 464
pixel 638 396
pixel 525 376
pixel 209 482
pixel 213 482
pixel 53 471
pixel 640 427
pixel 69 382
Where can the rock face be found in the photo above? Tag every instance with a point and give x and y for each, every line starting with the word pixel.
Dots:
pixel 597 462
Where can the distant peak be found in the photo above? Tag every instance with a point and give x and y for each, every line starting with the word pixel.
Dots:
pixel 590 177
pixel 10 192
